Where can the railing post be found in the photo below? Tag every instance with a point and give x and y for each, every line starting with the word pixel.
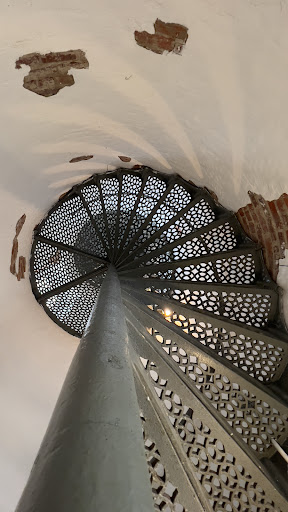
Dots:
pixel 92 456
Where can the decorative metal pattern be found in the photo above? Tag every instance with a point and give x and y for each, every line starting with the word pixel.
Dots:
pixel 259 355
pixel 250 306
pixel 223 466
pixel 224 478
pixel 91 195
pixel 165 491
pixel 207 336
pixel 131 186
pixel 153 191
pixel 243 402
pixel 54 267
pixel 69 223
pixel 110 191
pixel 242 408
pixel 72 307
pixel 175 201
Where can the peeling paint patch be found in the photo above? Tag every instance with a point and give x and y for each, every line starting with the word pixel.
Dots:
pixel 49 72
pixel 168 37
pixel 14 252
pixel 125 158
pixel 266 222
pixel 80 158
pixel 20 224
pixel 21 268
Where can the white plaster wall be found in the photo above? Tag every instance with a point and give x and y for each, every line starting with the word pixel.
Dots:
pixel 217 115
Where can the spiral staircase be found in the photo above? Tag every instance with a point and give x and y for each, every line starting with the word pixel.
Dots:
pixel 208 344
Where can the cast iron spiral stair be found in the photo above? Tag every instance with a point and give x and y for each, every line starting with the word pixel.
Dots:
pixel 207 340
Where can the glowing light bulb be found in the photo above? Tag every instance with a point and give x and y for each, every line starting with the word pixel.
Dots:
pixel 167 312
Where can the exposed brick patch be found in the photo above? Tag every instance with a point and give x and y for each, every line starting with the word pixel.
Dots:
pixel 49 72
pixel 169 37
pixel 20 224
pixel 21 268
pixel 80 158
pixel 14 252
pixel 266 222
pixel 124 158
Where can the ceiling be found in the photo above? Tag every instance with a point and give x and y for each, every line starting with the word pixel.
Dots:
pixel 217 114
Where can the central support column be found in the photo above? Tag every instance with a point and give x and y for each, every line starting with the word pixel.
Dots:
pixel 92 456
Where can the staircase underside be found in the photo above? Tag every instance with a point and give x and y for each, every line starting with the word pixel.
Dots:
pixel 208 343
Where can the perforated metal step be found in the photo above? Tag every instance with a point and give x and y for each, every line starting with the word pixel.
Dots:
pixel 207 340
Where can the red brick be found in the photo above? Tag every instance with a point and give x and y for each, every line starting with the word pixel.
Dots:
pixel 252 229
pixel 282 205
pixel 248 216
pixel 241 216
pixel 263 223
pixel 266 222
pixel 281 237
pixel 245 227
pixel 275 215
pixel 283 212
pixel 271 229
pixel 284 197
pixel 254 216
pixel 260 234
pixel 284 221
pixel 268 246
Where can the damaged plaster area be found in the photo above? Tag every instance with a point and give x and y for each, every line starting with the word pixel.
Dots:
pixel 168 37
pixel 266 222
pixel 124 158
pixel 20 274
pixel 80 158
pixel 49 72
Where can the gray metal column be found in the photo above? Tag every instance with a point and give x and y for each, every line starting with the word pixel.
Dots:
pixel 92 456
